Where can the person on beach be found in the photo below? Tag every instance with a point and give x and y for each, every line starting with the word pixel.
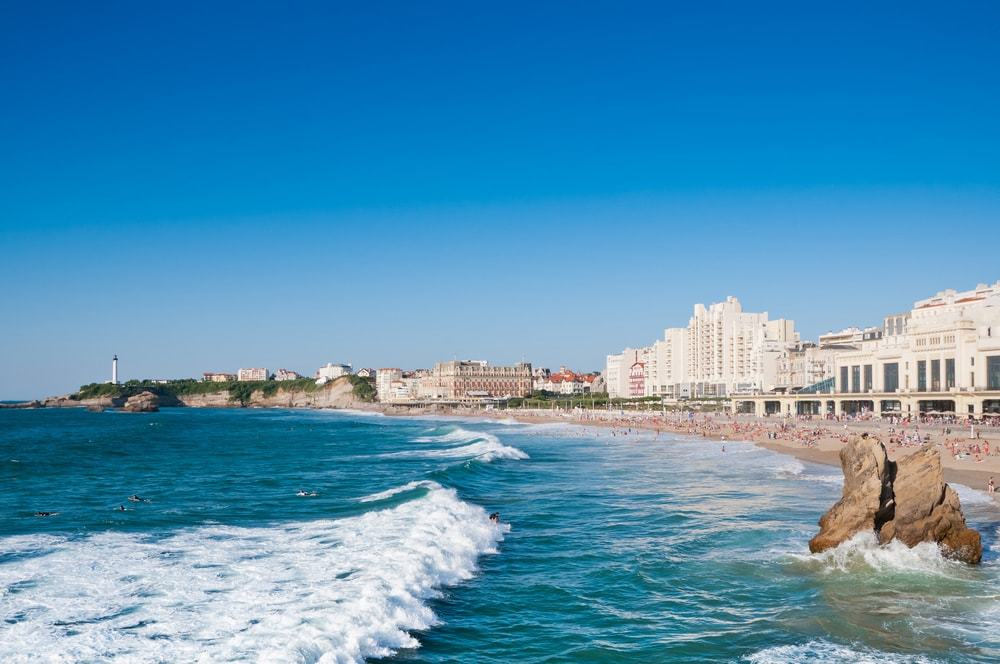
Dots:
pixel 990 487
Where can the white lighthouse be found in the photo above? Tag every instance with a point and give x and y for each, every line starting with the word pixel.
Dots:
pixel 114 370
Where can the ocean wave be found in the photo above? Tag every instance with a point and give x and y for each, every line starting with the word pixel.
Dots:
pixel 332 591
pixel 790 468
pixel 824 651
pixel 970 496
pixel 863 552
pixel 410 486
pixel 479 445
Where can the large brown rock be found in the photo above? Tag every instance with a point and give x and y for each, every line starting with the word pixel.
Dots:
pixel 144 402
pixel 906 500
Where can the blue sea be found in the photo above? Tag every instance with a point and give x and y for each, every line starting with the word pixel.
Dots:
pixel 316 536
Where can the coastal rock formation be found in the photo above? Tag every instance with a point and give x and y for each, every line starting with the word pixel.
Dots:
pixel 144 402
pixel 906 500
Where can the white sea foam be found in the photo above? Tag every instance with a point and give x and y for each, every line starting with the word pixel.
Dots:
pixel 863 551
pixel 790 468
pixel 480 445
pixel 322 591
pixel 410 486
pixel 969 496
pixel 824 651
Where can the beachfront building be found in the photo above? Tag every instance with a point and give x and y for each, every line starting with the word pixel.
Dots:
pixel 286 374
pixel 941 357
pixel 564 381
pixel 622 373
pixel 217 377
pixel 391 384
pixel 254 374
pixel 730 350
pixel 666 366
pixel 476 379
pixel 722 350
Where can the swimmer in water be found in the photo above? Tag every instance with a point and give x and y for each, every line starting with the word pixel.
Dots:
pixel 495 517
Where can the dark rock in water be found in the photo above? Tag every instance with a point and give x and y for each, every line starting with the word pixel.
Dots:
pixel 144 402
pixel 906 500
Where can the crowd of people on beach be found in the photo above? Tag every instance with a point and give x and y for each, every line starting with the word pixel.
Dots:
pixel 896 432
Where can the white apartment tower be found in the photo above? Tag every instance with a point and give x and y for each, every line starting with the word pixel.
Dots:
pixel 730 350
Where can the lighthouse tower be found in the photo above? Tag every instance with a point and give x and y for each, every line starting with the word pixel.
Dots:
pixel 114 370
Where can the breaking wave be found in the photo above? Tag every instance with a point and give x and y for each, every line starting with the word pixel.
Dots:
pixel 332 590
pixel 824 651
pixel 863 552
pixel 477 445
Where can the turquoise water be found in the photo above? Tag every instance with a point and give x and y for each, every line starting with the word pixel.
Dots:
pixel 611 549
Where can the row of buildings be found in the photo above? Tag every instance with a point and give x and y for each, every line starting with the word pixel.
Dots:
pixel 457 380
pixel 941 356
pixel 325 373
pixel 723 350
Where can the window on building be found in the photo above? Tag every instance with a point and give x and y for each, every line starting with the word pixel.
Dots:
pixel 856 378
pixel 843 380
pixel 868 378
pixel 949 373
pixel 890 377
pixel 935 375
pixel 993 372
pixel 921 376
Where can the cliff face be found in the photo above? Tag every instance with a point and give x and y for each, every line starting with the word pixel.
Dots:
pixel 906 500
pixel 335 394
pixel 338 393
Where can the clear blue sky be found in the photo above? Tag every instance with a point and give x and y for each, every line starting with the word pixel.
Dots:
pixel 203 186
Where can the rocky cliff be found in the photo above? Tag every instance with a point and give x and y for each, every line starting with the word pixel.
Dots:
pixel 906 500
pixel 144 402
pixel 338 393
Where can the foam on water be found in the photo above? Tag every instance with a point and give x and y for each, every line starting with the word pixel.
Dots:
pixel 322 591
pixel 970 496
pixel 409 486
pixel 480 445
pixel 790 468
pixel 864 552
pixel 824 651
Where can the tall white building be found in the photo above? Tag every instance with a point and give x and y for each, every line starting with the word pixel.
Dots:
pixel 722 350
pixel 730 350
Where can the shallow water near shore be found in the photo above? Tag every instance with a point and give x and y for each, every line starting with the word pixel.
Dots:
pixel 619 548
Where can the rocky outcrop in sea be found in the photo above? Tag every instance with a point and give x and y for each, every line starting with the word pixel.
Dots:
pixel 906 500
pixel 144 402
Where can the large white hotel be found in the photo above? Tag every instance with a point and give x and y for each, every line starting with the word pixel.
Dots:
pixel 940 357
pixel 722 350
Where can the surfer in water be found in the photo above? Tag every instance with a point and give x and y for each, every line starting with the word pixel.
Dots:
pixel 495 517
pixel 46 513
pixel 137 499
